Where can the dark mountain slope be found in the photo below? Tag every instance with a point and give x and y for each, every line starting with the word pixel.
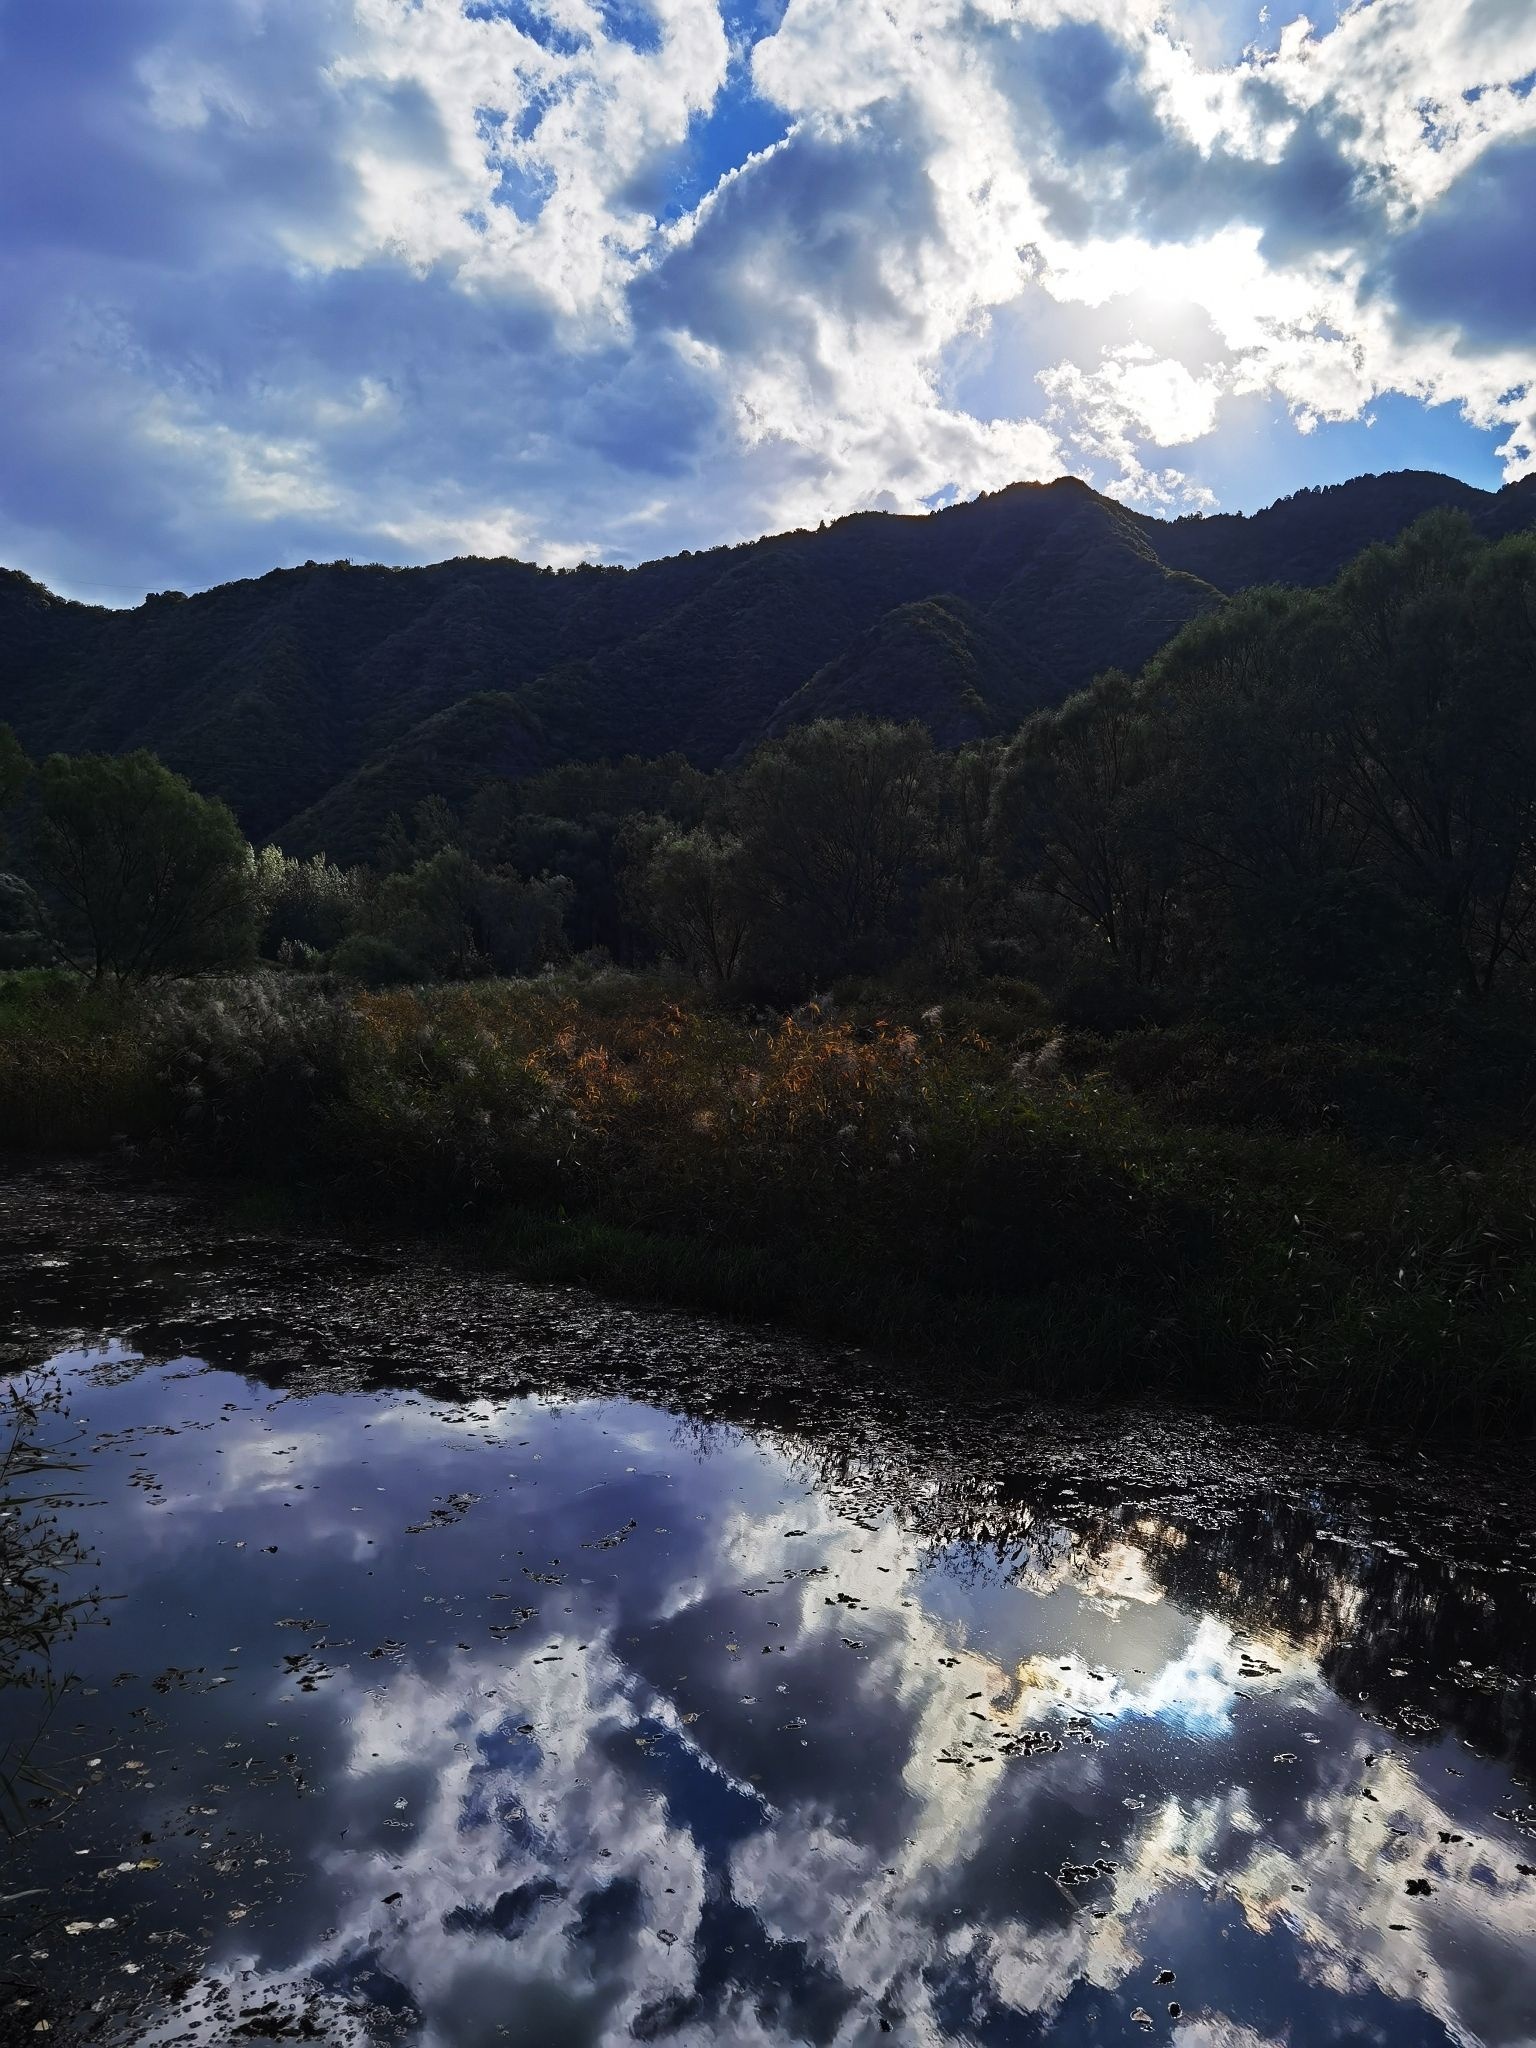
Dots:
pixel 1090 594
pixel 447 755
pixel 934 661
pixel 315 698
pixel 1308 538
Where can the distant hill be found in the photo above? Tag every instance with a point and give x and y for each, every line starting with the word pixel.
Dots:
pixel 318 700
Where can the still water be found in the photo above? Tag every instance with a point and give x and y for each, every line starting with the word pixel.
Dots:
pixel 548 1719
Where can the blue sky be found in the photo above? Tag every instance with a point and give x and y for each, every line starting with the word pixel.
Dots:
pixel 601 279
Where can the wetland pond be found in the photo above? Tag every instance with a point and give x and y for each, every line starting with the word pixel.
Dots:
pixel 481 1664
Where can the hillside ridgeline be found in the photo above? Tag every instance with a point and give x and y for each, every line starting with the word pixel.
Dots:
pixel 319 700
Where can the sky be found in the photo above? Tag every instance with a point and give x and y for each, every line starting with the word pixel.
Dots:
pixel 398 280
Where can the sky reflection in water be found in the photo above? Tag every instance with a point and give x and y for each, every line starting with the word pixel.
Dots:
pixel 560 1724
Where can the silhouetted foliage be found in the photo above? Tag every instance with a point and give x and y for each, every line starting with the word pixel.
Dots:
pixel 1307 790
pixel 317 701
pixel 572 822
pixel 454 920
pixel 14 768
pixel 836 828
pixel 1071 811
pixel 147 877
pixel 693 892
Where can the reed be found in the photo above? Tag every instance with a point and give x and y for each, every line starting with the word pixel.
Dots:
pixel 1008 1206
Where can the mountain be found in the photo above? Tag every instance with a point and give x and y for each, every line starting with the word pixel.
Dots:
pixel 317 700
pixel 938 659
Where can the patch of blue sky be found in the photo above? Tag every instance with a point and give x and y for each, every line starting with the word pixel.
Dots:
pixel 748 21
pixel 630 21
pixel 535 21
pixel 737 126
pixel 534 108
pixel 623 21
pixel 1220 31
pixel 1521 88
pixel 496 128
pixel 1257 454
pixel 524 189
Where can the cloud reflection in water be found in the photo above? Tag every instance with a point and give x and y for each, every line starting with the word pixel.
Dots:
pixel 581 1724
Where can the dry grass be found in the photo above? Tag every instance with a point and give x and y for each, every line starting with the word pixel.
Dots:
pixel 936 1191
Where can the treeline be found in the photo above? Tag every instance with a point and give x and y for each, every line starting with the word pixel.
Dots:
pixel 1320 801
pixel 1317 796
pixel 1332 790
pixel 1324 799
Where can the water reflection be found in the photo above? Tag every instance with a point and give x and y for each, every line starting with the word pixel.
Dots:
pixel 39 1554
pixel 577 1723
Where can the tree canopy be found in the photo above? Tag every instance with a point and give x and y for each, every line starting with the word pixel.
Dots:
pixel 146 877
pixel 1343 781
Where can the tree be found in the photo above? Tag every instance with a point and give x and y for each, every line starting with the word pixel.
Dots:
pixel 1276 887
pixel 962 903
pixel 1071 813
pixel 307 906
pixel 14 768
pixel 453 919
pixel 691 890
pixel 433 827
pixel 522 922
pixel 147 876
pixel 835 822
pixel 575 821
pixel 1437 731
pixel 1248 696
pixel 1307 788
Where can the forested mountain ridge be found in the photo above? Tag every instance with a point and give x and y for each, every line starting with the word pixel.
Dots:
pixel 318 700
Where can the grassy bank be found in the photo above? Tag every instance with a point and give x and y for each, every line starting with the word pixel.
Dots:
pixel 964 1185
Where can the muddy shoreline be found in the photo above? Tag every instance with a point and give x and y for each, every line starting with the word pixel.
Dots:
pixel 97 1247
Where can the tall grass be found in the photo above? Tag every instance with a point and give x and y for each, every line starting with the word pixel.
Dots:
pixel 930 1189
pixel 73 1071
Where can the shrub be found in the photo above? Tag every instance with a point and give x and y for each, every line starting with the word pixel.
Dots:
pixel 74 1070
pixel 375 962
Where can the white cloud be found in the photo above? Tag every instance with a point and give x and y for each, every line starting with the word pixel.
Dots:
pixel 560 1769
pixel 288 277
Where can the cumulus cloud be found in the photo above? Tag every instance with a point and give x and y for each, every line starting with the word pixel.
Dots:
pixel 397 278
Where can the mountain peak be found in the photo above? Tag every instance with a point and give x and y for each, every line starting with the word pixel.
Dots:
pixel 290 693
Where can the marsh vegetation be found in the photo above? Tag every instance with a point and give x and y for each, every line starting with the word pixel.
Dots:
pixel 1181 1041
